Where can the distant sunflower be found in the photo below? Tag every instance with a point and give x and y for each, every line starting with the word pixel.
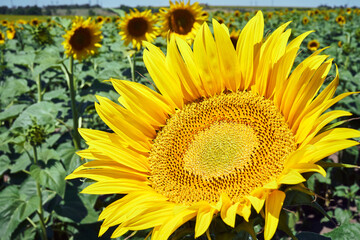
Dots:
pixel 348 11
pixel 237 13
pixel 2 38
pixel 34 22
pixel 340 20
pixel 137 27
pixel 313 45
pixel 10 32
pixel 83 39
pixel 4 22
pixel 99 19
pixel 234 36
pixel 182 19
pixel 229 131
pixel 305 20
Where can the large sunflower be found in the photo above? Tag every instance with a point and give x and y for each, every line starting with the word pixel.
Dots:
pixel 83 39
pixel 228 129
pixel 137 27
pixel 182 19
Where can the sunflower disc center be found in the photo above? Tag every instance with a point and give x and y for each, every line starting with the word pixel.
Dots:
pixel 81 39
pixel 230 143
pixel 220 149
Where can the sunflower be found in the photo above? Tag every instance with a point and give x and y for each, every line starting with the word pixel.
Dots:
pixel 137 27
pixel 340 20
pixel 228 129
pixel 182 19
pixel 4 22
pixel 34 22
pixel 234 36
pixel 237 13
pixel 99 19
pixel 11 32
pixel 313 45
pixel 305 20
pixel 2 38
pixel 83 39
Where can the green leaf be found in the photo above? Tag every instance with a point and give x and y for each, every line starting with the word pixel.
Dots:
pixel 346 231
pixel 76 207
pixel 20 163
pixel 311 236
pixel 12 111
pixel 4 163
pixel 44 112
pixel 15 207
pixel 51 176
pixel 296 198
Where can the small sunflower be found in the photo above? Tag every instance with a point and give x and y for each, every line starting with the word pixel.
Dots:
pixel 99 19
pixel 229 131
pixel 339 43
pixel 340 20
pixel 234 37
pixel 34 22
pixel 348 11
pixel 313 45
pixel 2 38
pixel 83 39
pixel 237 13
pixel 182 19
pixel 137 27
pixel 10 32
pixel 305 20
pixel 4 22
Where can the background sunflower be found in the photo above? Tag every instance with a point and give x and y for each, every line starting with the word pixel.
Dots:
pixel 182 19
pixel 137 27
pixel 83 39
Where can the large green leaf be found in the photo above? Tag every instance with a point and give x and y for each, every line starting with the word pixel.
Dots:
pixel 346 231
pixel 44 112
pixel 51 175
pixel 15 207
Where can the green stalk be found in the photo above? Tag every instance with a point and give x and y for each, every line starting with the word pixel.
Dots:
pixel 132 65
pixel 70 80
pixel 38 83
pixel 40 209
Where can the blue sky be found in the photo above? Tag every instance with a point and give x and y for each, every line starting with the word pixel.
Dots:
pixel 112 3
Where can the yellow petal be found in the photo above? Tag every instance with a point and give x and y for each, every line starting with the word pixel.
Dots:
pixel 120 186
pixel 273 207
pixel 203 219
pixel 248 47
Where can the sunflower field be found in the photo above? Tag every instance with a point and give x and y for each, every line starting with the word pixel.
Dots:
pixel 181 123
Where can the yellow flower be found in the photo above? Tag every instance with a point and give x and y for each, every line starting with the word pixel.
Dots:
pixel 182 19
pixel 99 19
pixel 11 32
pixel 237 13
pixel 34 22
pixel 340 44
pixel 4 22
pixel 2 38
pixel 313 45
pixel 234 36
pixel 137 27
pixel 83 39
pixel 229 128
pixel 305 20
pixel 340 20
pixel 348 11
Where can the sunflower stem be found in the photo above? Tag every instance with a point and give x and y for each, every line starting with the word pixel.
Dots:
pixel 132 62
pixel 40 211
pixel 69 74
pixel 38 83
